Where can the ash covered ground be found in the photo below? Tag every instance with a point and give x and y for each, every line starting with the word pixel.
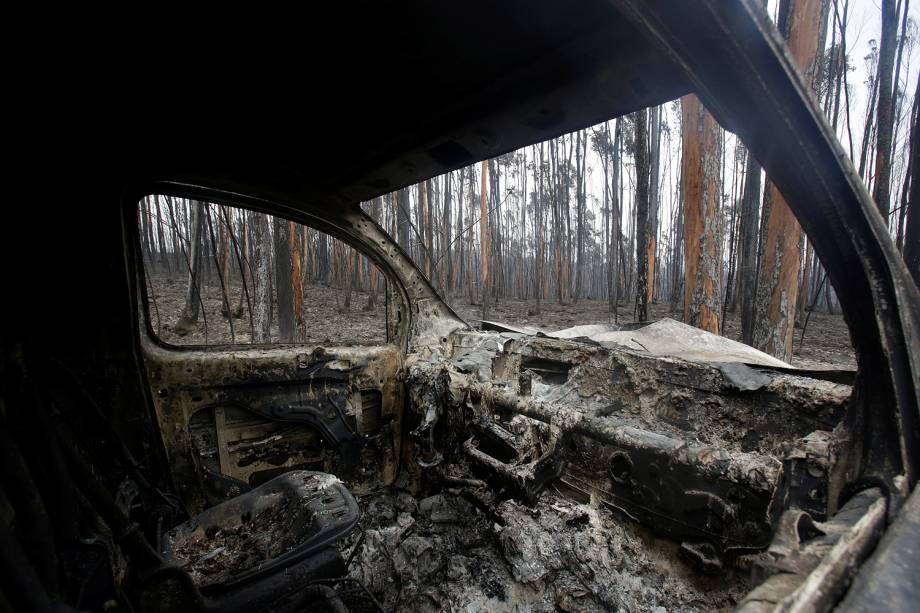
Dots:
pixel 826 344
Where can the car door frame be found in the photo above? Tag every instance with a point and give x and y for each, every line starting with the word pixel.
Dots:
pixel 176 375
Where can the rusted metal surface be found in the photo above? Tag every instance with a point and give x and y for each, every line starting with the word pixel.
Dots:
pixel 809 563
pixel 677 446
pixel 249 414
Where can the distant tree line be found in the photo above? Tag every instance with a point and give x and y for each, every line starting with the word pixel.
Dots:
pixel 261 265
pixel 661 205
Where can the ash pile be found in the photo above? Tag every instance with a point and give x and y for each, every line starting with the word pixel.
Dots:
pixel 446 553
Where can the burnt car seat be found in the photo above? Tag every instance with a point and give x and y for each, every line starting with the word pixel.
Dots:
pixel 256 548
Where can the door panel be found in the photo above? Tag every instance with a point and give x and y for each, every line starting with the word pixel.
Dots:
pixel 266 348
pixel 232 419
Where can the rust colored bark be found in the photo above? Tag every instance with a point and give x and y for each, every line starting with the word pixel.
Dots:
pixel 700 166
pixel 778 284
pixel 296 281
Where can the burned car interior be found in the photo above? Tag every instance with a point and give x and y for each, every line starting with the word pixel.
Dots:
pixel 431 465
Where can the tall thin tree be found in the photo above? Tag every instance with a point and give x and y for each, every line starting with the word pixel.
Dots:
pixel 642 198
pixel 485 247
pixel 193 291
pixel 653 196
pixel 778 281
pixel 747 271
pixel 885 107
pixel 261 253
pixel 700 164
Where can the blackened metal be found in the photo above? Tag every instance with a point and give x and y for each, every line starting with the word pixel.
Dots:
pixel 327 415
pixel 689 492
pixel 323 512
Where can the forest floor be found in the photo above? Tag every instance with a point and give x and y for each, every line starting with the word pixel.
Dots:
pixel 327 321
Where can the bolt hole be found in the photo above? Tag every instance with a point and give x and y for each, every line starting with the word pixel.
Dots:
pixel 620 467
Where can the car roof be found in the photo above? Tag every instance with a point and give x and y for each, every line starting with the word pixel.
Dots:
pixel 366 100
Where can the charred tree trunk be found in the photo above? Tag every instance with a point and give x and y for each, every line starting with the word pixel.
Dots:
pixel 617 193
pixel 567 216
pixel 801 301
pixel 653 197
pixel 469 243
pixel 423 228
pixel 224 242
pixel 912 232
pixel 193 292
pixel 676 289
pixel 350 268
pixel 580 171
pixel 485 247
pixel 261 250
pixel 885 108
pixel 778 281
pixel 429 231
pixel 283 290
pixel 604 139
pixel 402 218
pixel 642 197
pixel 538 238
pixel 300 331
pixel 164 260
pixel 747 273
pixel 557 219
pixel 460 228
pixel 376 210
pixel 246 262
pixel 700 165
pixel 447 268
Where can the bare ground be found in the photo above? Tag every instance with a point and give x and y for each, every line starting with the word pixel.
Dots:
pixel 328 322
